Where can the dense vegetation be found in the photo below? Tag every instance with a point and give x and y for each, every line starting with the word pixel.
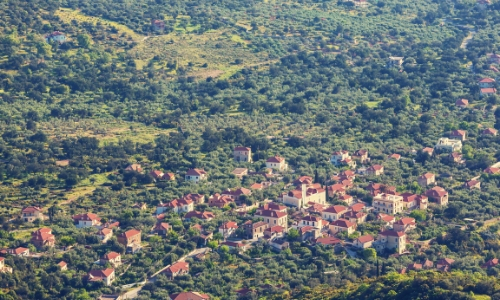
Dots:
pixel 299 78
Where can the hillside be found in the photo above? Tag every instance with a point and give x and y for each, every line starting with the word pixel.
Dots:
pixel 169 126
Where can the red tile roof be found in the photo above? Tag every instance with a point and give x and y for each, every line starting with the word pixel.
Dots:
pixel 31 209
pixel 445 261
pixel 427 175
pixel 101 273
pixel 487 80
pixel 458 133
pixel 104 231
pixel 111 255
pixel 405 221
pixel 393 233
pixel 488 90
pixel 196 172
pixel 491 170
pixel 436 191
pixel 228 225
pixel 86 217
pixel 328 240
pixel 462 102
pixel 275 159
pixel 490 131
pixel 365 239
pixel 312 218
pixel 357 207
pixel 130 233
pixel 490 263
pixel 336 209
pixel 241 148
pixel 276 229
pixel 272 213
pixel 20 250
pixel 178 266
pixel 343 223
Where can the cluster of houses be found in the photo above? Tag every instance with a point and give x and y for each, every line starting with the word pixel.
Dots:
pixel 314 219
pixel 44 237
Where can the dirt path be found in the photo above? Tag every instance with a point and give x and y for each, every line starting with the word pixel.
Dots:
pixel 467 39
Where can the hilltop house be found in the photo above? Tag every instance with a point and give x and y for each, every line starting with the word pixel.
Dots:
pixel 342 158
pixel 196 198
pixel 486 83
pixel 157 25
pixel 460 135
pixel 134 168
pixel 426 179
pixel 273 218
pixel 485 92
pixel 448 145
pixel 355 217
pixel 255 230
pixel 361 156
pixel 491 170
pixel 106 275
pixel 314 221
pixel 493 58
pixel 386 203
pixel 429 151
pixel 375 170
pixel 130 237
pixel 462 103
pixel 168 176
pixel 490 131
pixel 334 212
pixel 303 194
pixel 196 175
pixel 55 37
pixel 86 220
pixel 156 174
pixel 395 61
pixel 444 264
pixel 177 206
pixel 19 251
pixel 472 184
pixel 3 267
pixel 161 228
pixel 205 216
pixel 391 239
pixel 32 213
pixel 176 269
pixel 455 157
pixel 237 194
pixel 342 225
pixel 104 234
pixel 227 229
pixel 240 172
pixel 272 206
pixel 43 237
pixel 438 194
pixel 277 163
pixel 404 224
pixel 219 201
pixel 242 154
pixel 363 242
pixel 113 258
pixel 413 201
pixel 348 199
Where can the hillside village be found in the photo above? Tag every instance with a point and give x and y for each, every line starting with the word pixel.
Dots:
pixel 334 214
